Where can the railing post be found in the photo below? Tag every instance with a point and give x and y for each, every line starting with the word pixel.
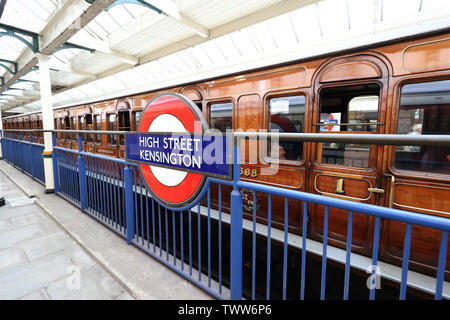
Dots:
pixel 6 144
pixel 55 165
pixel 129 204
pixel 19 155
pixel 1 143
pixel 82 175
pixel 31 156
pixel 236 229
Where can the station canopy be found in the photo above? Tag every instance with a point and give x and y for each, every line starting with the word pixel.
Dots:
pixel 101 49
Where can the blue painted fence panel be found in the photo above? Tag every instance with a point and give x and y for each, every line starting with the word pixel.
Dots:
pixel 111 191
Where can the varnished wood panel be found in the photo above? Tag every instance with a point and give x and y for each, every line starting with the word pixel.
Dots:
pixel 260 82
pixel 427 55
pixel 351 71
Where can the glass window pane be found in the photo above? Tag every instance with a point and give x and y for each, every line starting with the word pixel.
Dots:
pixel 137 118
pixel 98 126
pixel 424 109
pixel 287 114
pixel 112 127
pixel 221 116
pixel 349 109
pixel 124 124
pixel 363 113
pixel 88 126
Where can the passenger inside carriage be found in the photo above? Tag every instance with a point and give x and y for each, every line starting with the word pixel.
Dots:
pixel 287 115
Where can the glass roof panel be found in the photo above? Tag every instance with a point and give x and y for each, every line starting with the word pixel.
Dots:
pixel 122 13
pixel 31 15
pixel 107 22
pixel 310 30
pixel 332 15
pixel 392 10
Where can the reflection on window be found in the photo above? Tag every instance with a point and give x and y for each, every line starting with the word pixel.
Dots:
pixel 363 114
pixel 345 110
pixel 137 118
pixel 112 127
pixel 287 114
pixel 221 116
pixel 98 126
pixel 424 109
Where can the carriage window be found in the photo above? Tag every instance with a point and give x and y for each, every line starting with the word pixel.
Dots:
pixel 81 126
pixel 37 124
pixel 58 135
pixel 287 114
pixel 137 118
pixel 112 127
pixel 89 126
pixel 345 110
pixel 73 126
pixel 221 116
pixel 63 127
pixel 98 126
pixel 66 127
pixel 424 109
pixel 124 124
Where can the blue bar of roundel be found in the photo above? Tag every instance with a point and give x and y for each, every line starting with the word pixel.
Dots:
pixel 133 153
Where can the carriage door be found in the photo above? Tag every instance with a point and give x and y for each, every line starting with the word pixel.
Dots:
pixel 350 98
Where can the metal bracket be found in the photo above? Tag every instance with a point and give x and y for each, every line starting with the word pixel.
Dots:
pixel 68 45
pixel 7 68
pixel 19 34
pixel 24 80
pixel 138 2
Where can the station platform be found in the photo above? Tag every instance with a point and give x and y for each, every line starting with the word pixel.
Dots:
pixel 49 249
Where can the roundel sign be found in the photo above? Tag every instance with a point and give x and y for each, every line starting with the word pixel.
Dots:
pixel 169 146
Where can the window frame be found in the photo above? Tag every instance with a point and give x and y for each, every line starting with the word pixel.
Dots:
pixel 316 119
pixel 121 138
pixel 219 101
pixel 395 111
pixel 109 137
pixel 94 128
pixel 133 123
pixel 73 123
pixel 86 127
pixel 265 159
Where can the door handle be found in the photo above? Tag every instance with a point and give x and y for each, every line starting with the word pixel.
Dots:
pixel 391 191
pixel 375 190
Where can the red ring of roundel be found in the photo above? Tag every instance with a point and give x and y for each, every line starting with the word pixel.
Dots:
pixel 193 181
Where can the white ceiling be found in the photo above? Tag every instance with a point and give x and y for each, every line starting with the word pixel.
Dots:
pixel 140 49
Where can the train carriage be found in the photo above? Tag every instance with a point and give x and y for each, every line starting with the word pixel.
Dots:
pixel 396 87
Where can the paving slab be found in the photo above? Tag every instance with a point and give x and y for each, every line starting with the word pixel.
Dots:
pixel 108 267
pixel 88 284
pixel 37 256
pixel 11 257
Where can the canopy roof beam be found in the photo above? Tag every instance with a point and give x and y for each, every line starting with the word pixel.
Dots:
pixel 102 48
pixel 169 9
pixel 70 18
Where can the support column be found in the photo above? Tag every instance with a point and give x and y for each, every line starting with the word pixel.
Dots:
pixel 47 119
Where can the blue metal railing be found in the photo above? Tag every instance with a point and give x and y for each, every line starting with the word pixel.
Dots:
pixel 25 155
pixel 112 191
